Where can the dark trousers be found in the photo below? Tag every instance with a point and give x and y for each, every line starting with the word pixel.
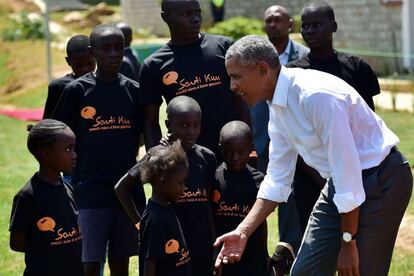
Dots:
pixel 388 190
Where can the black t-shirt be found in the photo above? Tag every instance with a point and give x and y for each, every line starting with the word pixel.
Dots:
pixel 161 238
pixel 193 209
pixel 130 65
pixel 234 194
pixel 106 119
pixel 54 91
pixel 352 69
pixel 196 70
pixel 47 215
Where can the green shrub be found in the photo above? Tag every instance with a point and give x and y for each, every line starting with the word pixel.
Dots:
pixel 296 23
pixel 238 27
pixel 25 28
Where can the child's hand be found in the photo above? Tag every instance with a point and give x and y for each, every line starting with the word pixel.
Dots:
pixel 166 139
pixel 253 159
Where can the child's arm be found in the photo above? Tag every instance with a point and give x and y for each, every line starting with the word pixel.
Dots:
pixel 149 267
pixel 152 130
pixel 21 220
pixel 18 241
pixel 123 190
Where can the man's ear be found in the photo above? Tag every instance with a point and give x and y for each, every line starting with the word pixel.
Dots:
pixel 263 67
pixel 291 25
pixel 164 17
pixel 67 60
pixel 334 27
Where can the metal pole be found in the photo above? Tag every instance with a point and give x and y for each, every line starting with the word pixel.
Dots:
pixel 408 33
pixel 48 40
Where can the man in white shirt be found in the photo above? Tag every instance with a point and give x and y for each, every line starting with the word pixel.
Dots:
pixel 278 24
pixel 319 116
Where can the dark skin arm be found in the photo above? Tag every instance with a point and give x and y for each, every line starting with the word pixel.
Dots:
pixel 348 259
pixel 149 267
pixel 18 241
pixel 123 190
pixel 152 129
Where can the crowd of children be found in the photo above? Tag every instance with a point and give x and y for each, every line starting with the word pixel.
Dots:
pixel 202 183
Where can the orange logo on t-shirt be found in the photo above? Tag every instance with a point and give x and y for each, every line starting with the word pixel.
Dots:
pixel 88 112
pixel 170 78
pixel 46 224
pixel 216 196
pixel 172 246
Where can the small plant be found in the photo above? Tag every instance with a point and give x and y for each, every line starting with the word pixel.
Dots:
pixel 296 23
pixel 25 27
pixel 238 27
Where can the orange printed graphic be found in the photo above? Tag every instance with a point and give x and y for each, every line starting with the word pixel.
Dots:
pixel 170 78
pixel 88 112
pixel 172 246
pixel 46 224
pixel 216 196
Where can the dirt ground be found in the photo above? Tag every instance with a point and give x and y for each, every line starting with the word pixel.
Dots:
pixel 20 5
pixel 405 238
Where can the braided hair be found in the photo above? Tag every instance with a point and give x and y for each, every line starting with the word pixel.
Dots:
pixel 44 134
pixel 161 161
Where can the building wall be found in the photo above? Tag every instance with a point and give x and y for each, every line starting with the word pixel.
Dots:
pixel 366 26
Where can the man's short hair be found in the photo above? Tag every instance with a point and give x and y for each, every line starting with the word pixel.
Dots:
pixel 321 6
pixel 182 104
pixel 251 49
pixel 97 32
pixel 77 44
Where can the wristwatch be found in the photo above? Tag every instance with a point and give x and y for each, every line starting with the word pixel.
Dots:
pixel 348 237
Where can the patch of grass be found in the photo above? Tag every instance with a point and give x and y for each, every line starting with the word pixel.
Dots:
pixel 32 98
pixel 16 167
pixel 402 264
pixel 402 124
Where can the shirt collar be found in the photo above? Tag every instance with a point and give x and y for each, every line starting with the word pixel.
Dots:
pixel 287 49
pixel 282 87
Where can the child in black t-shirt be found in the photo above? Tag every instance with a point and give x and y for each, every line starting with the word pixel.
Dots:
pixel 80 60
pixel 43 221
pixel 163 250
pixel 193 209
pixel 103 110
pixel 234 194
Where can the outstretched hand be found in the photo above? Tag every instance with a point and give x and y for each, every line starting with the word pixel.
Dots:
pixel 233 247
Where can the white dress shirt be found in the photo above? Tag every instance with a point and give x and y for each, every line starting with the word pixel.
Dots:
pixel 322 118
pixel 284 57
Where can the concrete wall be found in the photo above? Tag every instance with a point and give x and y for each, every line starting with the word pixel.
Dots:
pixel 364 25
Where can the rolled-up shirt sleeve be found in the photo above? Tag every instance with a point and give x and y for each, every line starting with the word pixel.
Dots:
pixel 331 122
pixel 277 184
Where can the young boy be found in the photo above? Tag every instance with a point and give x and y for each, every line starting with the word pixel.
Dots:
pixel 103 110
pixel 43 221
pixel 80 60
pixel 193 209
pixel 130 65
pixel 163 248
pixel 234 194
pixel 318 26
pixel 191 64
